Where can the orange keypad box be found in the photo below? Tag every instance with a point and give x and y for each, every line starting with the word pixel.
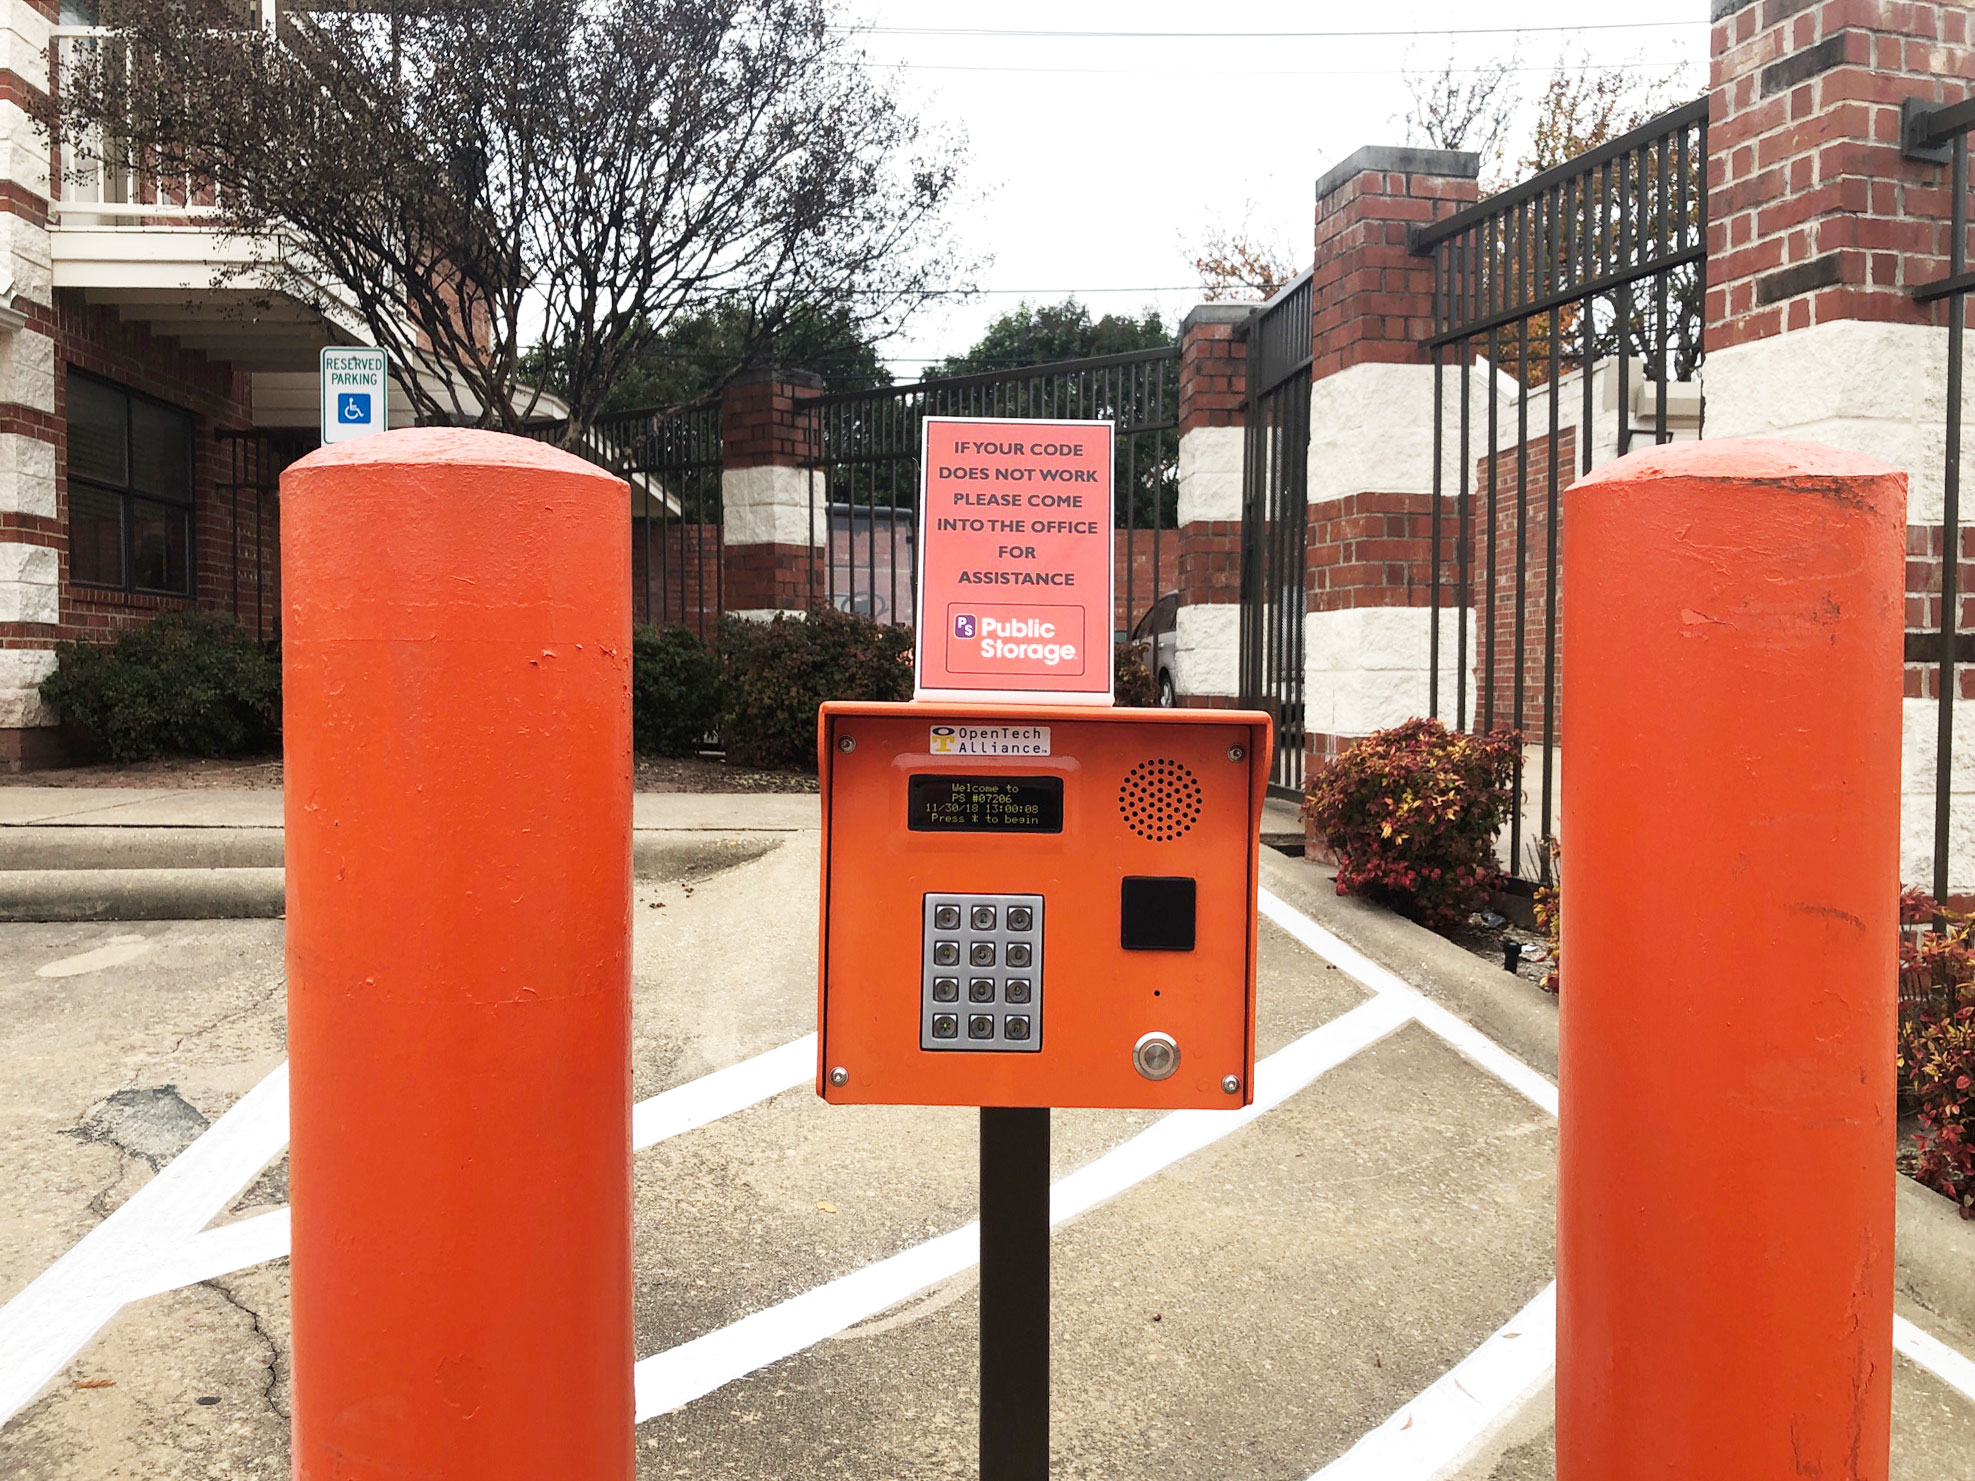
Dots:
pixel 1039 905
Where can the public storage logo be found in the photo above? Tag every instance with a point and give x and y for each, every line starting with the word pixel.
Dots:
pixel 990 740
pixel 1016 640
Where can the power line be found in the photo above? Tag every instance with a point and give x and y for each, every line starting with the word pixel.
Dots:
pixel 1267 35
pixel 1670 63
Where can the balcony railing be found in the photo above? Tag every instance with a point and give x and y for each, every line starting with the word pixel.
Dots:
pixel 96 184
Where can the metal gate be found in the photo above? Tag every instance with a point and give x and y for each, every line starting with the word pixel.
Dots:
pixel 864 473
pixel 1274 510
pixel 250 493
pixel 1593 272
pixel 671 459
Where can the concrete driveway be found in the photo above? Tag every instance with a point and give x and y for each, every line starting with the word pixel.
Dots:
pixel 1348 1281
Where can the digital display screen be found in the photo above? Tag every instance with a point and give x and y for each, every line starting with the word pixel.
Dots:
pixel 984 804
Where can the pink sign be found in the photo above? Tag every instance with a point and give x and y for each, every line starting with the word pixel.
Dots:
pixel 1015 555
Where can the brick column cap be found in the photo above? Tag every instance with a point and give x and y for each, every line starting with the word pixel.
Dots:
pixel 1202 314
pixel 1400 159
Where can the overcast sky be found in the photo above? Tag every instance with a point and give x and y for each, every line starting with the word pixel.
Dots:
pixel 1098 162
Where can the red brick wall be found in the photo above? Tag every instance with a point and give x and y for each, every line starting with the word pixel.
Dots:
pixel 679 583
pixel 1373 299
pixel 1535 605
pixel 1376 550
pixel 1213 375
pixel 758 423
pixel 1813 213
pixel 1139 582
pixel 1923 605
pixel 94 339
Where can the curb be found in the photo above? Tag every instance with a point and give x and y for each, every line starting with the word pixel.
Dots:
pixel 1934 1254
pixel 237 873
pixel 140 894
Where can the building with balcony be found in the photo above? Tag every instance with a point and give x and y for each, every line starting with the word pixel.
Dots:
pixel 145 411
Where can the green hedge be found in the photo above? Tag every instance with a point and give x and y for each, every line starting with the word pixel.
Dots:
pixel 675 691
pixel 779 671
pixel 187 683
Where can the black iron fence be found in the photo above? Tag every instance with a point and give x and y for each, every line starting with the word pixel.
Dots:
pixel 249 492
pixel 1575 299
pixel 671 459
pixel 1939 133
pixel 864 477
pixel 1274 515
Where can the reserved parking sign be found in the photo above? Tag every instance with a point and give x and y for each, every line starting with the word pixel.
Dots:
pixel 1015 560
pixel 355 393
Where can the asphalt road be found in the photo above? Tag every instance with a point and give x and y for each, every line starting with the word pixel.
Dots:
pixel 1248 1308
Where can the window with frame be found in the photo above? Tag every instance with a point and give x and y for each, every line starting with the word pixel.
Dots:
pixel 130 490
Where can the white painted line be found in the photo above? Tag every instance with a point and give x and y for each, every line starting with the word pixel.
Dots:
pixel 1935 1356
pixel 674 1378
pixel 44 1326
pixel 159 1242
pixel 1462 1410
pixel 722 1093
pixel 1463 1037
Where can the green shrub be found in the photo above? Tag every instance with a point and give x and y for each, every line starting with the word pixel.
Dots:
pixel 778 672
pixel 1131 682
pixel 1411 814
pixel 187 683
pixel 675 691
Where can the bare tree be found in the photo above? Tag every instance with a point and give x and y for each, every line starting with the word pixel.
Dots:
pixel 1470 108
pixel 480 175
pixel 1237 265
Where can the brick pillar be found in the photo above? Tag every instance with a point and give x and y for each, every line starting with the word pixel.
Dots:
pixel 1819 228
pixel 1213 394
pixel 1366 647
pixel 33 537
pixel 773 539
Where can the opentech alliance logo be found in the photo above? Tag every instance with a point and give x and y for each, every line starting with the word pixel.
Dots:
pixel 964 625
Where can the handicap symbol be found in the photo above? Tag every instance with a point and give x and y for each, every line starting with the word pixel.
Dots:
pixel 353 407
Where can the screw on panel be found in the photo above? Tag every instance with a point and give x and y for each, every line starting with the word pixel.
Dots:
pixel 839 1076
pixel 1231 1084
pixel 1236 753
pixel 847 743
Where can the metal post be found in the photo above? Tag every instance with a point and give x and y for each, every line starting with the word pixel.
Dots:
pixel 1951 522
pixel 1014 1294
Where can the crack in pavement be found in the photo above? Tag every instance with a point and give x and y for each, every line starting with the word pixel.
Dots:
pixel 273 1364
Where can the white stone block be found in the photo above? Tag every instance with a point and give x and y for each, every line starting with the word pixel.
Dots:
pixel 1207 650
pixel 24 43
pixel 1878 389
pixel 1365 668
pixel 25 252
pixel 28 592
pixel 1920 720
pixel 771 506
pixel 1371 429
pixel 27 369
pixel 27 475
pixel 21 672
pixel 23 151
pixel 1210 473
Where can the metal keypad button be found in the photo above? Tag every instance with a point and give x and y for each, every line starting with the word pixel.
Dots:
pixel 984 951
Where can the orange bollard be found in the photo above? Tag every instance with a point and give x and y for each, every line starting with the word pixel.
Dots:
pixel 1732 619
pixel 458 736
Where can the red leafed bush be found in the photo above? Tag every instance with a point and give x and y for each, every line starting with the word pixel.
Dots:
pixel 1937 1071
pixel 1411 814
pixel 1937 1046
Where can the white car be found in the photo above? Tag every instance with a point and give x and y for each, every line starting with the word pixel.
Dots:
pixel 1157 643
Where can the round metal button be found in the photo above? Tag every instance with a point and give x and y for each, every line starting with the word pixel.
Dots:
pixel 1156 1056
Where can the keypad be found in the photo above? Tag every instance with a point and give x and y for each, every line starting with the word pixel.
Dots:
pixel 982 953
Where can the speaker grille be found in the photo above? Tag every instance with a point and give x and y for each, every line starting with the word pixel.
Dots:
pixel 1159 799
